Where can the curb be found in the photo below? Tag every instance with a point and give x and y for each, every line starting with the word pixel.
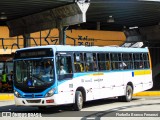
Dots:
pixel 9 96
pixel 5 96
pixel 148 93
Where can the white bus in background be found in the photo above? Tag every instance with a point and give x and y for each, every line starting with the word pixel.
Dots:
pixel 91 73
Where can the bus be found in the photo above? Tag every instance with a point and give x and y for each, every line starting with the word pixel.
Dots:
pixel 62 74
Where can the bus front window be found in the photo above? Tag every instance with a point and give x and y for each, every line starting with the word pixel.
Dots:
pixel 34 72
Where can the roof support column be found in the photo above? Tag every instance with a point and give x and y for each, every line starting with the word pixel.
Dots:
pixel 62 40
pixel 62 33
pixel 26 40
pixel 98 26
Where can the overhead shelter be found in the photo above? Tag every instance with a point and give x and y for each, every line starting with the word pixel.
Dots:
pixel 139 19
pixel 59 17
pixel 23 17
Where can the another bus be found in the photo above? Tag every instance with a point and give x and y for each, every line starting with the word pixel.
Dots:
pixel 91 73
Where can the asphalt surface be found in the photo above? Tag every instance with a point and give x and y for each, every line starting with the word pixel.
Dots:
pixel 139 108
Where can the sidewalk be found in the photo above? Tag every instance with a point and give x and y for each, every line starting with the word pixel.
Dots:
pixel 10 96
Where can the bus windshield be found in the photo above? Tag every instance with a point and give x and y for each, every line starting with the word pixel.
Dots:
pixel 35 72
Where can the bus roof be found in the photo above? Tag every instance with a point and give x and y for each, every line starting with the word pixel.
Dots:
pixel 89 49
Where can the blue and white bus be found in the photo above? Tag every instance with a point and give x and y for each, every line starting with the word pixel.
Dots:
pixel 89 73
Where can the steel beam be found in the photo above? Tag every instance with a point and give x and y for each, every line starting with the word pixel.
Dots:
pixel 27 42
pixel 68 15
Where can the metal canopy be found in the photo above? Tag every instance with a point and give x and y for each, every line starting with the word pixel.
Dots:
pixel 127 13
pixel 71 14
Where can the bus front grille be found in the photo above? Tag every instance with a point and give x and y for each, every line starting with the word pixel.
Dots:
pixel 33 96
pixel 34 101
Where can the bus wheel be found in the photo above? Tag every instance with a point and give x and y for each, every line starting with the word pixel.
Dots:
pixel 128 96
pixel 78 101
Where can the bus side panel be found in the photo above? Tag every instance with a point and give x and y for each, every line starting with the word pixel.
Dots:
pixel 128 78
pixel 148 82
pixel 137 80
pixel 105 85
pixel 142 80
pixel 86 81
pixel 111 84
pixel 80 80
pixel 66 91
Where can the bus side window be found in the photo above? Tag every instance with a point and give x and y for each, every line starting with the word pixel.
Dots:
pixel 131 61
pixel 78 62
pixel 138 61
pixel 65 63
pixel 69 64
pixel 115 61
pixel 78 67
pixel 108 61
pixel 89 61
pixel 108 65
pixel 141 65
pixel 102 61
pixel 95 62
pixel 146 60
pixel 82 62
pixel 135 57
pixel 127 59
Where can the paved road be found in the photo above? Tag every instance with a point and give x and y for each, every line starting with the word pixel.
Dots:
pixel 140 108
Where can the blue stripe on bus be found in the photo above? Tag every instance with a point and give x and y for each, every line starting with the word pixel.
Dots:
pixel 36 95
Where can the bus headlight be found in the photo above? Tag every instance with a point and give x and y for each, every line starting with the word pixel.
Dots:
pixel 50 93
pixel 17 94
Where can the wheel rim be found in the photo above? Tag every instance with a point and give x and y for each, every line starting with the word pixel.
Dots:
pixel 129 94
pixel 80 101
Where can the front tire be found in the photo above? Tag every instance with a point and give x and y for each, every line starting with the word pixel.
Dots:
pixel 78 101
pixel 128 96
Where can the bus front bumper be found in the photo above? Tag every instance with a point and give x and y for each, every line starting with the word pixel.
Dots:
pixel 54 100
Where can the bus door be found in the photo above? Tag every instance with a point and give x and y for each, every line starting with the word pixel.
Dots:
pixel 64 68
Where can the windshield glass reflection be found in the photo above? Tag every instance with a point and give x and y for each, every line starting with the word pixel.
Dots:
pixel 34 72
